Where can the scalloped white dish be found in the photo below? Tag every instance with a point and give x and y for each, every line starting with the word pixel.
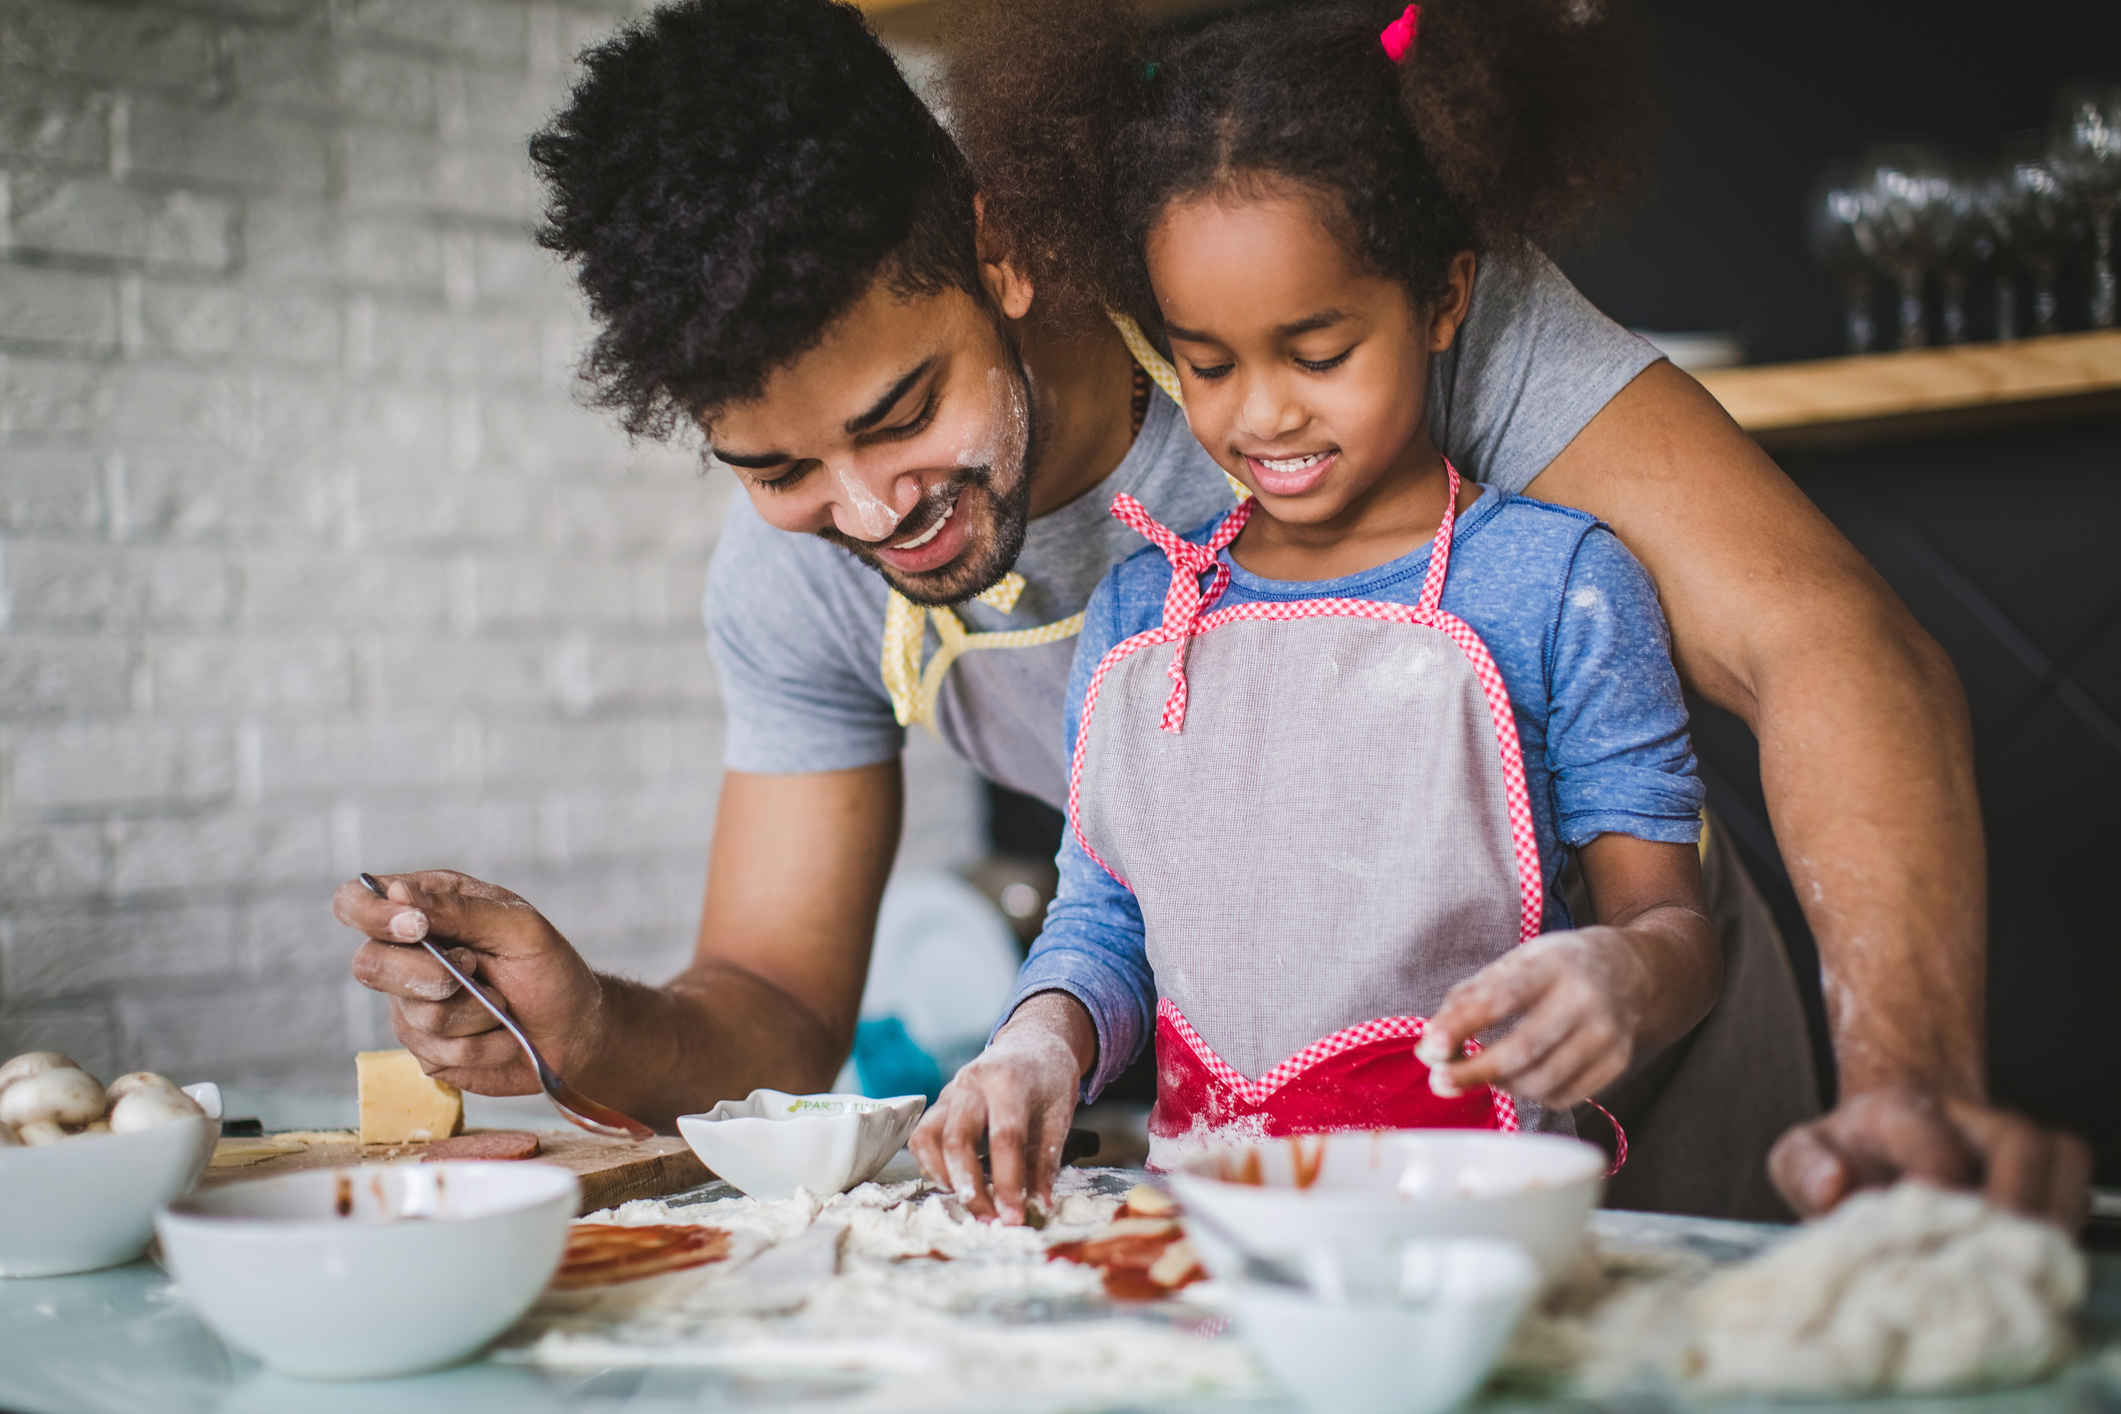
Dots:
pixel 89 1202
pixel 771 1143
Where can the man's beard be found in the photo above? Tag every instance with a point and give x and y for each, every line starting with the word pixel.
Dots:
pixel 986 557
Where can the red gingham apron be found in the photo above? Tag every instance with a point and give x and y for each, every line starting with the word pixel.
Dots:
pixel 1236 947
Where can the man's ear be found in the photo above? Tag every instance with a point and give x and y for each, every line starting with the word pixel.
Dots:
pixel 1007 284
pixel 1450 311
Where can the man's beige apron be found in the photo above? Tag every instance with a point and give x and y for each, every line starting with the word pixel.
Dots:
pixel 1702 1113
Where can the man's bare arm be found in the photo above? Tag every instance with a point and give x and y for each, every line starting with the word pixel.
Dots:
pixel 793 881
pixel 1866 756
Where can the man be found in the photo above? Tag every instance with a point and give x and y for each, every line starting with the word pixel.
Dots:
pixel 779 246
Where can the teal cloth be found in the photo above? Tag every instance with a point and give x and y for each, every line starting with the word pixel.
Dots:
pixel 888 1062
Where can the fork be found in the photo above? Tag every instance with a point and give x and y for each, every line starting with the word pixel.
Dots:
pixel 578 1107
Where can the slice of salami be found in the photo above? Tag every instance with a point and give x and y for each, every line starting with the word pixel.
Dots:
pixel 489 1144
pixel 605 1254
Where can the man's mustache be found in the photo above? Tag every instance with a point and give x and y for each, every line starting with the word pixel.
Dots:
pixel 933 506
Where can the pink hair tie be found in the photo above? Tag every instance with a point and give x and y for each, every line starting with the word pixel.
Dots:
pixel 1399 36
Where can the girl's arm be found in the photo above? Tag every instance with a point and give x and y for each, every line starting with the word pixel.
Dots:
pixel 1084 1003
pixel 1626 798
pixel 1643 974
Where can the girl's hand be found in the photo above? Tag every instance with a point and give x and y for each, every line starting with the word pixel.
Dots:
pixel 1587 1002
pixel 1581 998
pixel 1020 1092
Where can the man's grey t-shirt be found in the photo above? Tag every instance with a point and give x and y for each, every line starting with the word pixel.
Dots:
pixel 796 625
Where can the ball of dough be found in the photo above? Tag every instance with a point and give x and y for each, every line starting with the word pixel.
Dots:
pixel 1909 1290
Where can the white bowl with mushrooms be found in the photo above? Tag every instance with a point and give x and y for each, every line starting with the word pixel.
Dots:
pixel 84 1166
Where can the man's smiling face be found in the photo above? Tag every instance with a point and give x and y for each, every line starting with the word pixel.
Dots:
pixel 905 437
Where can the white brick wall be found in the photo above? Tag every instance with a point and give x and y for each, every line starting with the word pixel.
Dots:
pixel 308 561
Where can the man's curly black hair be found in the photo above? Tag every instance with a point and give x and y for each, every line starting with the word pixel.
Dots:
pixel 727 179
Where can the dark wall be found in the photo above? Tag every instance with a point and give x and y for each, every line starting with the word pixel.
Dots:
pixel 2003 544
pixel 1757 96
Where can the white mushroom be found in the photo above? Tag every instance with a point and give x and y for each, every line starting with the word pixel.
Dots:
pixel 8 1137
pixel 148 1107
pixel 62 1096
pixel 30 1063
pixel 134 1081
pixel 38 1133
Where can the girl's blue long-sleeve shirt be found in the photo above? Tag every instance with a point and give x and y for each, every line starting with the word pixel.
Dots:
pixel 1573 624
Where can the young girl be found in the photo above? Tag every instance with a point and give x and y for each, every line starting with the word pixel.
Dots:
pixel 1332 750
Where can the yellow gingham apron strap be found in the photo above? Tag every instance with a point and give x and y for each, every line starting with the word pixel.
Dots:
pixel 913 690
pixel 904 625
pixel 1161 373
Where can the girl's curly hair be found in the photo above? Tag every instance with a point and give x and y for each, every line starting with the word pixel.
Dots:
pixel 727 178
pixel 1510 121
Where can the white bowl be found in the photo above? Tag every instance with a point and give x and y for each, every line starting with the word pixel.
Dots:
pixel 1535 1190
pixel 1410 1356
pixel 384 1269
pixel 89 1201
pixel 771 1143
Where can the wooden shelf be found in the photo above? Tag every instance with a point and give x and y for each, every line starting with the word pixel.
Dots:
pixel 1921 390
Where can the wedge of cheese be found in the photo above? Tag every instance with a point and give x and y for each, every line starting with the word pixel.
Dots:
pixel 399 1105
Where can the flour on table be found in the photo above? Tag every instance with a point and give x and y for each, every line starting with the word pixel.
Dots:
pixel 898 1282
pixel 1911 1290
pixel 1614 1321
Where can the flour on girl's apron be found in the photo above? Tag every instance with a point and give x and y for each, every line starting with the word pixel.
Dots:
pixel 1321 809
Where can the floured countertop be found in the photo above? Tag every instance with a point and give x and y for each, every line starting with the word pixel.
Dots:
pixel 831 1306
pixel 894 1286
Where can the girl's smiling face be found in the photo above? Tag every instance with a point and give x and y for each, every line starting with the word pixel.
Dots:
pixel 1305 376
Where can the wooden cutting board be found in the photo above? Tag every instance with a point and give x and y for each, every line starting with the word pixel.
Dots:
pixel 612 1171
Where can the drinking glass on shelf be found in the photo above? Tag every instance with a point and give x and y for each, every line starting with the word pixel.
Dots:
pixel 1957 241
pixel 2084 148
pixel 2045 222
pixel 1844 244
pixel 1995 232
pixel 1906 183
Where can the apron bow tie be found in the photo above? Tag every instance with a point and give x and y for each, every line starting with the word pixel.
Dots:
pixel 1185 602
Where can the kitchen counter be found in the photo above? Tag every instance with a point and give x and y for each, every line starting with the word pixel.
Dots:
pixel 124 1342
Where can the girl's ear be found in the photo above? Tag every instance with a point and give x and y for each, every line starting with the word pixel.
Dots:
pixel 1450 311
pixel 1007 284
